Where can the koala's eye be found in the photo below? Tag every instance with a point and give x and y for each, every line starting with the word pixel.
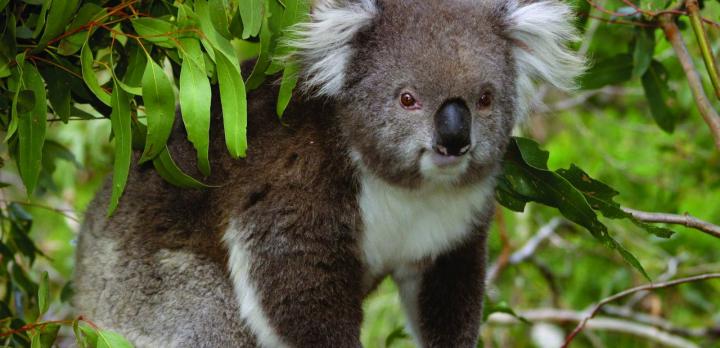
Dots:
pixel 485 100
pixel 408 101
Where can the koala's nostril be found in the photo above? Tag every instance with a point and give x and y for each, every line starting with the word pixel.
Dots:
pixel 452 128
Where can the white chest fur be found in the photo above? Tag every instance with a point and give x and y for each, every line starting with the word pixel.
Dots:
pixel 403 225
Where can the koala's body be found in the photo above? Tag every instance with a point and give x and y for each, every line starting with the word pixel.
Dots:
pixel 384 166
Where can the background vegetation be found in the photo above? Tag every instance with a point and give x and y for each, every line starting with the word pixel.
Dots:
pixel 111 72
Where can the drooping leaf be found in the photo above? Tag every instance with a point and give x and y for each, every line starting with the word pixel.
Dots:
pixel 234 104
pixel 501 307
pixel 31 129
pixel 195 97
pixel 251 13
pixel 109 339
pixel 289 81
pixel 88 73
pixel 159 99
pixel 525 178
pixel 218 17
pixel 58 17
pixel 611 71
pixel 43 294
pixel 59 91
pixel 601 198
pixel 45 335
pixel 657 91
pixel 121 126
pixel 155 30
pixel 168 170
pixel 257 76
pixel 88 12
pixel 643 50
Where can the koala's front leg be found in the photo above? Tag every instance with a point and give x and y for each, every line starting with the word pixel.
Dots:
pixel 443 299
pixel 298 288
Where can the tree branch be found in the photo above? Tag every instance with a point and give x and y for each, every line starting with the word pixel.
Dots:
pixel 709 114
pixel 686 220
pixel 627 292
pixel 602 323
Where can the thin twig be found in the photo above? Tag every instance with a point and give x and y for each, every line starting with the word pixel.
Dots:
pixel 525 252
pixel 660 322
pixel 648 332
pixel 631 291
pixel 709 114
pixel 686 220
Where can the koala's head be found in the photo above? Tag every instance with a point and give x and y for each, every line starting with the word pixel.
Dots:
pixel 428 91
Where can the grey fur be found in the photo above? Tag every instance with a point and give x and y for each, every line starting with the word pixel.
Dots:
pixel 275 256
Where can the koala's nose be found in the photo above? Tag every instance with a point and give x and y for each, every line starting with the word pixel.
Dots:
pixel 452 128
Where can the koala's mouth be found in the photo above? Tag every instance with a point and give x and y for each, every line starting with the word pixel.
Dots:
pixel 437 166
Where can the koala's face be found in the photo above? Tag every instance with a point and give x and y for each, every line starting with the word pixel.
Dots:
pixel 428 91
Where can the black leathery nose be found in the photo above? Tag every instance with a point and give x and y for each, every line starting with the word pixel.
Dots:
pixel 452 128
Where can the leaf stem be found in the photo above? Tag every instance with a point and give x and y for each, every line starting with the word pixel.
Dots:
pixel 704 44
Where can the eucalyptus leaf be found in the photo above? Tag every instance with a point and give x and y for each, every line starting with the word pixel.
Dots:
pixel 234 105
pixel 657 91
pixel 88 73
pixel 159 99
pixel 610 71
pixel 43 294
pixel 168 170
pixel 121 126
pixel 643 50
pixel 289 81
pixel 195 98
pixel 155 30
pixel 88 12
pixel 251 13
pixel 32 127
pixel 59 15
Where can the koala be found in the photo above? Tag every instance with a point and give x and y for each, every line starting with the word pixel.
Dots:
pixel 383 165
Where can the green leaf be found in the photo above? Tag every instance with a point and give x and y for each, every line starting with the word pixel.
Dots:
pixel 59 90
pixel 257 76
pixel 31 129
pixel 525 178
pixel 643 51
pixel 234 104
pixel 195 98
pixel 109 339
pixel 657 91
pixel 251 13
pixel 611 71
pixel 57 19
pixel 159 99
pixel 121 126
pixel 3 3
pixel 137 59
pixel 289 81
pixel 43 294
pixel 46 336
pixel 88 73
pixel 40 24
pixel 501 307
pixel 396 335
pixel 168 170
pixel 155 30
pixel 87 13
pixel 218 17
pixel 20 278
pixel 79 339
pixel 601 198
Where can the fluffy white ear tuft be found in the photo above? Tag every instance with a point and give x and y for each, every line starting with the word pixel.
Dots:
pixel 323 43
pixel 541 32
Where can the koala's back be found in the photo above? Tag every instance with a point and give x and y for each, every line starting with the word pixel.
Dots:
pixel 156 271
pixel 153 285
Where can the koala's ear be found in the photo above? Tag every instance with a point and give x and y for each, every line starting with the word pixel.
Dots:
pixel 540 32
pixel 323 43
